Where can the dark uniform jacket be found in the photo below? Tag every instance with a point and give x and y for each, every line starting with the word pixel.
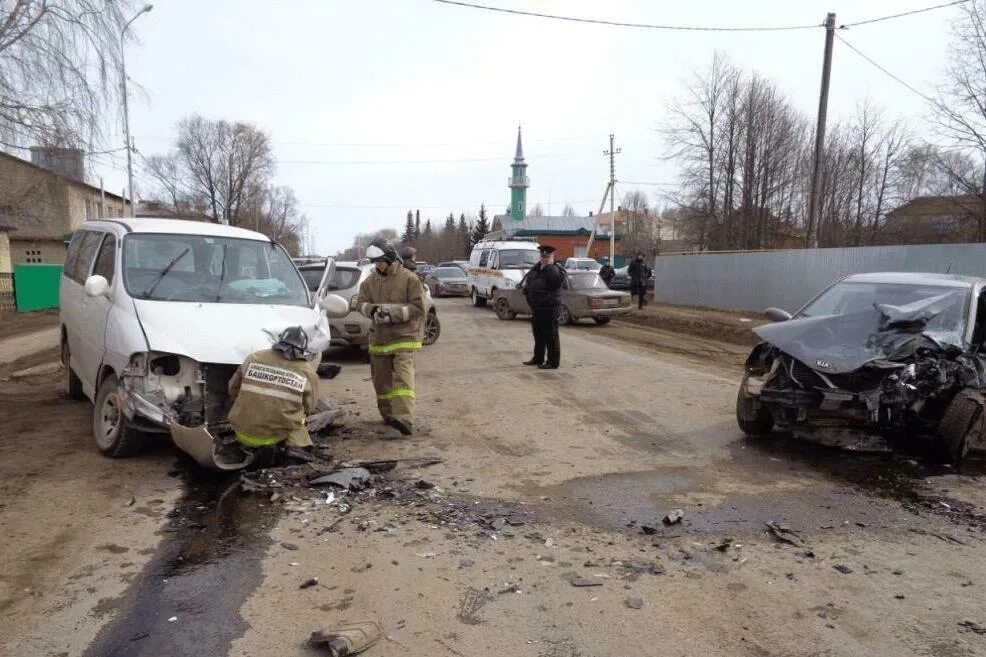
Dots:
pixel 639 272
pixel 542 286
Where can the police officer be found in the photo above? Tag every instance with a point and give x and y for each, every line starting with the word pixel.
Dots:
pixel 274 390
pixel 542 289
pixel 393 298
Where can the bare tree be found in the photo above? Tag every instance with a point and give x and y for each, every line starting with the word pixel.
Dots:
pixel 60 65
pixel 568 211
pixel 226 162
pixel 536 211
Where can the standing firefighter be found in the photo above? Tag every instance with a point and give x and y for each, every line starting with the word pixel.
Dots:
pixel 542 288
pixel 639 274
pixel 393 298
pixel 274 390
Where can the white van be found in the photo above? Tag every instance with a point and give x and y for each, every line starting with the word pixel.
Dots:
pixel 499 265
pixel 157 314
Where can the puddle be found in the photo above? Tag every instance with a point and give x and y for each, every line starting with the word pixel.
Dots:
pixel 203 571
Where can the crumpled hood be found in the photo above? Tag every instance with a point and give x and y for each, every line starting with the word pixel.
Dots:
pixel 223 333
pixel 837 344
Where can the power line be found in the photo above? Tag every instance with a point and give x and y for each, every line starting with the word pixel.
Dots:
pixel 599 21
pixel 884 70
pixel 692 28
pixel 498 158
pixel 902 14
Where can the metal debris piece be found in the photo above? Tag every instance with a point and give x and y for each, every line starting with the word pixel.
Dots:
pixel 421 484
pixel 843 568
pixel 785 534
pixel 970 626
pixel 674 517
pixel 635 603
pixel 348 478
pixel 385 465
pixel 584 582
pixel 308 583
pixel 724 545
pixel 348 638
pixel 648 530
pixel 289 546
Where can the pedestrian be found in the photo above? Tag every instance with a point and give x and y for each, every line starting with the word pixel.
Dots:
pixel 639 274
pixel 393 298
pixel 542 289
pixel 607 273
pixel 276 389
pixel 408 253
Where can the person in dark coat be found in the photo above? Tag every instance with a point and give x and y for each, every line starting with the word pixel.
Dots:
pixel 639 274
pixel 542 289
pixel 607 273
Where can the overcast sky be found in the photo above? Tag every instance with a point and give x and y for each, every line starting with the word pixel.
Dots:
pixel 378 106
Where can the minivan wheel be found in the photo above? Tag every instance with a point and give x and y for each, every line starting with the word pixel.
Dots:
pixel 477 300
pixel 73 384
pixel 114 435
pixel 433 329
pixel 962 424
pixel 751 416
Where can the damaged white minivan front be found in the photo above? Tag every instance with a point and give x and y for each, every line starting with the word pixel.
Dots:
pixel 154 337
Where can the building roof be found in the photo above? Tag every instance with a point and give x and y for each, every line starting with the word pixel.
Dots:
pixel 67 179
pixel 937 206
pixel 564 224
pixel 180 227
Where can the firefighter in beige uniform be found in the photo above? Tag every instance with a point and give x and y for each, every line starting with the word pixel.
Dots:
pixel 273 391
pixel 393 298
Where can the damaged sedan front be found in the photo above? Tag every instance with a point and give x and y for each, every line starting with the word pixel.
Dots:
pixel 872 359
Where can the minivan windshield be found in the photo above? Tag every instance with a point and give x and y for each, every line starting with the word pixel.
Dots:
pixel 210 269
pixel 522 258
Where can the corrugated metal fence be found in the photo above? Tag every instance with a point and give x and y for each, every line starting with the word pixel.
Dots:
pixel 754 281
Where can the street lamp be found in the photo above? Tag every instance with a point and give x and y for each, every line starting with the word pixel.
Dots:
pixel 126 110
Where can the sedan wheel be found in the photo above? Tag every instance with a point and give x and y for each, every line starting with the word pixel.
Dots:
pixel 565 315
pixel 502 308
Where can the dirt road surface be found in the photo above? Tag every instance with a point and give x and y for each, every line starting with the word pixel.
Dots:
pixel 540 534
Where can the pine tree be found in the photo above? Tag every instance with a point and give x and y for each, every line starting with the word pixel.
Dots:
pixel 463 238
pixel 409 236
pixel 417 224
pixel 482 227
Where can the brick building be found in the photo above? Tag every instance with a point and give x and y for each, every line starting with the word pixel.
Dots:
pixel 43 201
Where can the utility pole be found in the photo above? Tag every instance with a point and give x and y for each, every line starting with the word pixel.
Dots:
pixel 612 152
pixel 128 140
pixel 823 107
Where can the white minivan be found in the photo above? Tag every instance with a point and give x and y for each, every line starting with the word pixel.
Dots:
pixel 157 314
pixel 499 265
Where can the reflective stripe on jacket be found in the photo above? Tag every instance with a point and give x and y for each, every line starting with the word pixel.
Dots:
pixel 272 396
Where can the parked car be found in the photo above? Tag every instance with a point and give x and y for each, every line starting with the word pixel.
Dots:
pixel 582 264
pixel 621 280
pixel 352 329
pixel 584 294
pixel 499 265
pixel 423 269
pixel 156 316
pixel 448 281
pixel 871 359
pixel 461 264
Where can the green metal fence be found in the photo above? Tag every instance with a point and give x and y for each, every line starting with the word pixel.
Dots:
pixel 36 286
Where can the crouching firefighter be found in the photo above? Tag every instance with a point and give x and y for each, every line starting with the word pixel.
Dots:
pixel 274 390
pixel 393 299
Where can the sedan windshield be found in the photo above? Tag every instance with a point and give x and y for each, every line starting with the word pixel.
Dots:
pixel 201 268
pixel 852 297
pixel 586 281
pixel 448 272
pixel 522 258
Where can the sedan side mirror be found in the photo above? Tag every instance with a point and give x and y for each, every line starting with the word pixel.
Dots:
pixel 97 286
pixel 777 315
pixel 335 307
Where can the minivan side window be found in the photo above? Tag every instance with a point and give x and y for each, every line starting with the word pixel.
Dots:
pixel 493 260
pixel 72 255
pixel 106 260
pixel 87 251
pixel 483 258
